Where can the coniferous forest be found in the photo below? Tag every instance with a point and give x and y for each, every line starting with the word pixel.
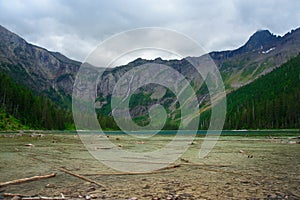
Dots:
pixel 33 111
pixel 270 102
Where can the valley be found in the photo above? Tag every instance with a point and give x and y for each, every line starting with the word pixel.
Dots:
pixel 259 62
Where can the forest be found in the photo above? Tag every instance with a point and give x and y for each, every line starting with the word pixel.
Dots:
pixel 270 102
pixel 31 110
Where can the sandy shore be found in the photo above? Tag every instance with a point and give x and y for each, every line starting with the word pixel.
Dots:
pixel 237 168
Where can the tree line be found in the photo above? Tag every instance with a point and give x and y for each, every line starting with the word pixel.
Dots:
pixel 34 111
pixel 270 102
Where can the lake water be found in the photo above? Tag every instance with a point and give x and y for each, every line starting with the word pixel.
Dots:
pixel 224 132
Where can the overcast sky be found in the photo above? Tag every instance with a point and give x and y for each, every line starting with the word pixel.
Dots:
pixel 76 27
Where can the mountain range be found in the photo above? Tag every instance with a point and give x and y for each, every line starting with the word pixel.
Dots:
pixel 52 75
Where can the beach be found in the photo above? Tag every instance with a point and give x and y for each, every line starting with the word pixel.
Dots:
pixel 238 167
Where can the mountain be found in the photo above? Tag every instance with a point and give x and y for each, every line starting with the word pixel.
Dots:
pixel 21 109
pixel 52 74
pixel 260 55
pixel 42 71
pixel 270 102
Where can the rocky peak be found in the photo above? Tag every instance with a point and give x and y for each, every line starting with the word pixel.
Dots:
pixel 46 72
pixel 260 40
pixel 9 38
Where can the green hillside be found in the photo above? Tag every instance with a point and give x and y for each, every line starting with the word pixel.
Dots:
pixel 8 122
pixel 270 102
pixel 20 108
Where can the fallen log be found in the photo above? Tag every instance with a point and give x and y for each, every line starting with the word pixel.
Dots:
pixel 34 178
pixel 43 198
pixel 136 173
pixel 169 167
pixel 204 165
pixel 164 169
pixel 13 195
pixel 80 176
pixel 123 173
pixel 27 197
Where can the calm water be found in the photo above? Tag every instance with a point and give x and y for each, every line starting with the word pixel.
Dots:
pixel 173 132
pixel 225 132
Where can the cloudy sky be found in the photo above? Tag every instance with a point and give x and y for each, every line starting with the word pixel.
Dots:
pixel 75 27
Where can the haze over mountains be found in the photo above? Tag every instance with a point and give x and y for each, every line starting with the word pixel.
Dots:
pixel 52 74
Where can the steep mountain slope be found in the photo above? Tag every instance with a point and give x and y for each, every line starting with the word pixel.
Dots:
pixel 270 102
pixel 261 54
pixel 20 108
pixel 43 71
pixel 53 74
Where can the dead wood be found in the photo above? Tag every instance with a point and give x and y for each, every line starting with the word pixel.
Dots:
pixel 136 173
pixel 43 198
pixel 18 181
pixel 80 176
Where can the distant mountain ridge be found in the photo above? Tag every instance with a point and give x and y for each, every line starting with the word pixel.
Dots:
pixel 42 71
pixel 260 41
pixel 261 54
pixel 53 74
pixel 45 70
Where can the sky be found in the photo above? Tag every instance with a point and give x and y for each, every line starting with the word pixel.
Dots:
pixel 76 27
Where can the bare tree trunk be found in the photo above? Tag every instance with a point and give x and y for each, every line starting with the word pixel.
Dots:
pixel 26 179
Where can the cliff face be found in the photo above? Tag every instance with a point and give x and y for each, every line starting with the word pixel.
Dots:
pixel 262 53
pixel 38 69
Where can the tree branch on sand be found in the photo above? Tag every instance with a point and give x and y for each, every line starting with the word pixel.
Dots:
pixel 18 181
pixel 80 176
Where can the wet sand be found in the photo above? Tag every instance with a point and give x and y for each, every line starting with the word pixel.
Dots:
pixel 238 167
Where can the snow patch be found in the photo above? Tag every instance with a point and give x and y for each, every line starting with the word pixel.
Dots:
pixel 268 51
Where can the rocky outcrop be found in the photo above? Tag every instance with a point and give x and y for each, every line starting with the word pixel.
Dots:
pixel 37 68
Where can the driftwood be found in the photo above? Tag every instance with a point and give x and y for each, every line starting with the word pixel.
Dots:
pixel 26 179
pixel 163 169
pixel 141 173
pixel 80 176
pixel 13 195
pixel 27 197
pixel 123 173
pixel 213 170
pixel 43 198
pixel 204 165
pixel 170 167
pixel 135 173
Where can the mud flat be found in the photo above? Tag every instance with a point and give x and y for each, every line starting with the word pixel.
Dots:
pixel 239 167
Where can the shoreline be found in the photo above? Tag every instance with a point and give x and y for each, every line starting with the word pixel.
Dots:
pixel 244 133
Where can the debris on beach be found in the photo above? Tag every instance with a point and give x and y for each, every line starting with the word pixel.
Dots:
pixel 184 160
pixel 17 181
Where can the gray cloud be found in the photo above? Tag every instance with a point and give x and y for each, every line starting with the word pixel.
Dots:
pixel 74 28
